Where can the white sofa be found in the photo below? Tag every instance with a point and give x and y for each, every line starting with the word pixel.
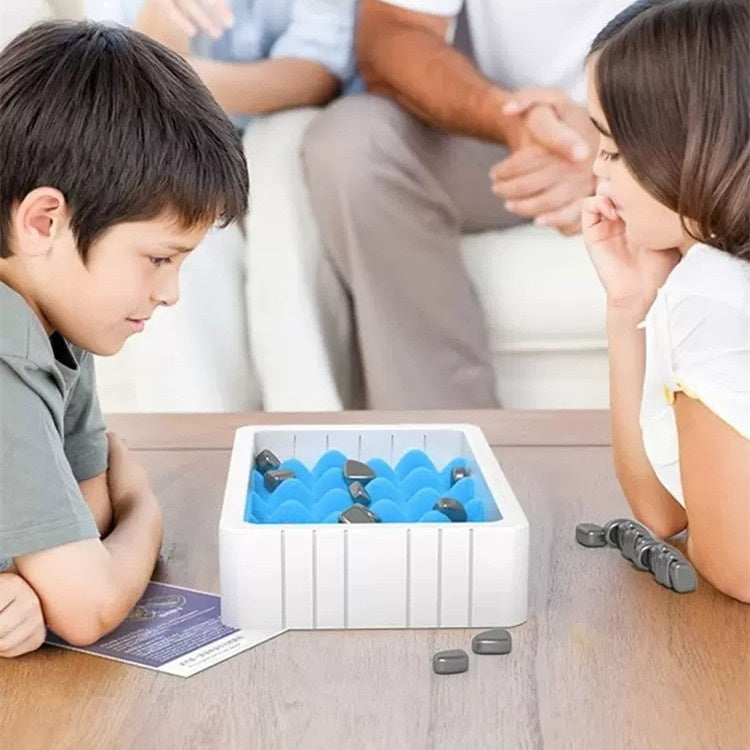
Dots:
pixel 543 301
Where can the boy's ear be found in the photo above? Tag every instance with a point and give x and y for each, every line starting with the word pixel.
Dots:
pixel 39 219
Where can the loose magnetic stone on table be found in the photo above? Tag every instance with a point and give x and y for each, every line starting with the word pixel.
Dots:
pixel 266 461
pixel 358 514
pixel 356 471
pixel 495 641
pixel 451 508
pixel 359 494
pixel 454 661
pixel 274 477
pixel 590 535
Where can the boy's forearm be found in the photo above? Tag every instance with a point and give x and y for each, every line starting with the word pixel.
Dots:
pixel 133 547
pixel 434 81
pixel 263 86
pixel 650 501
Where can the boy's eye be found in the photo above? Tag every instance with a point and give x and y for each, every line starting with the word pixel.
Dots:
pixel 158 262
pixel 608 155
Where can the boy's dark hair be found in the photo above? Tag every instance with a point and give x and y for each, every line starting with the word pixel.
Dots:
pixel 673 80
pixel 120 125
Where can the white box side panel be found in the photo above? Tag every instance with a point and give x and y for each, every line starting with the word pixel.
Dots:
pixel 376 577
pixel 454 576
pixel 328 556
pixel 443 446
pixel 423 577
pixel 309 446
pixel 255 581
pixel 500 577
pixel 298 587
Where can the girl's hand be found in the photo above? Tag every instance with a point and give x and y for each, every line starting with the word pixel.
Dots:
pixel 630 276
pixel 21 622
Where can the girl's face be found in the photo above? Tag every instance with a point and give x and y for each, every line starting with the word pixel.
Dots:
pixel 648 223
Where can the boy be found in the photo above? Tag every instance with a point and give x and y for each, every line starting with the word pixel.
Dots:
pixel 115 160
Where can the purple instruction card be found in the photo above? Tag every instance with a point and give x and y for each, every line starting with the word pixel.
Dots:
pixel 174 630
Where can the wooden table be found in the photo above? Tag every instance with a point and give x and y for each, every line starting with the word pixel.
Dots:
pixel 607 659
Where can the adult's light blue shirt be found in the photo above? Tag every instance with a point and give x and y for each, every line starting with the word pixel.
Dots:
pixel 319 30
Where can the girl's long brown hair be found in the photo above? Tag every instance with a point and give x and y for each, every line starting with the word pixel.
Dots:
pixel 673 79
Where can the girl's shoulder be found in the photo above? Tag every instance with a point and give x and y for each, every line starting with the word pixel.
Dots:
pixel 711 275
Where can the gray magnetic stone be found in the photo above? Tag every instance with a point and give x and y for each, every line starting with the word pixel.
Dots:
pixel 611 531
pixel 590 535
pixel 660 559
pixel 266 461
pixel 358 514
pixel 682 576
pixel 356 471
pixel 450 662
pixel 495 641
pixel 451 508
pixel 642 550
pixel 274 477
pixel 459 473
pixel 631 534
pixel 359 493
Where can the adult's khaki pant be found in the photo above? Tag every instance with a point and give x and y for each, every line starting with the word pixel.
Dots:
pixel 392 198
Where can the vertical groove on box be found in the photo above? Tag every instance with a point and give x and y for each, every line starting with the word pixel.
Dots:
pixel 393 440
pixel 328 442
pixel 408 578
pixel 424 443
pixel 359 447
pixel 471 574
pixel 294 445
pixel 346 578
pixel 283 580
pixel 439 576
pixel 314 578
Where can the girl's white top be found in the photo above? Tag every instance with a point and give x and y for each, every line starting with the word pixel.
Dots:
pixel 697 342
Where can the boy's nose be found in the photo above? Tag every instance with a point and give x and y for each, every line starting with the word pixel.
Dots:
pixel 167 295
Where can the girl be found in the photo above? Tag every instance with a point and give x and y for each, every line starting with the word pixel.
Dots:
pixel 669 234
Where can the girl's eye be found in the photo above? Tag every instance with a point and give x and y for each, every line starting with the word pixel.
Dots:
pixel 158 262
pixel 608 155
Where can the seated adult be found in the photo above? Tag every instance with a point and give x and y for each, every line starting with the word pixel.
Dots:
pixel 260 56
pixel 398 174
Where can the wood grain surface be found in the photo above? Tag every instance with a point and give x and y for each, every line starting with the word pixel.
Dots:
pixel 607 659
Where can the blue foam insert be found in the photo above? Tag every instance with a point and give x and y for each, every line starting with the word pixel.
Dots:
pixel 404 493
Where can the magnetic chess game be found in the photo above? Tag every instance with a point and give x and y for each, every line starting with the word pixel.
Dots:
pixel 396 526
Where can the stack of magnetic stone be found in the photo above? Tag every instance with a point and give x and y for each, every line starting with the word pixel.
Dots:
pixel 356 475
pixel 645 552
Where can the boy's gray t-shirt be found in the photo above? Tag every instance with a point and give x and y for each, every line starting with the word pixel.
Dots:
pixel 52 434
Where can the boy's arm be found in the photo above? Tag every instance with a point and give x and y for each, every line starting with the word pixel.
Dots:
pixel 715 471
pixel 95 492
pixel 87 588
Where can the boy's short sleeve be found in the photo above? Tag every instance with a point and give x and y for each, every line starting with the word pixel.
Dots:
pixel 85 433
pixel 323 31
pixel 41 505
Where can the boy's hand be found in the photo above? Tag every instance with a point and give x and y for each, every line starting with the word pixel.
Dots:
pixel 21 623
pixel 126 478
pixel 212 16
